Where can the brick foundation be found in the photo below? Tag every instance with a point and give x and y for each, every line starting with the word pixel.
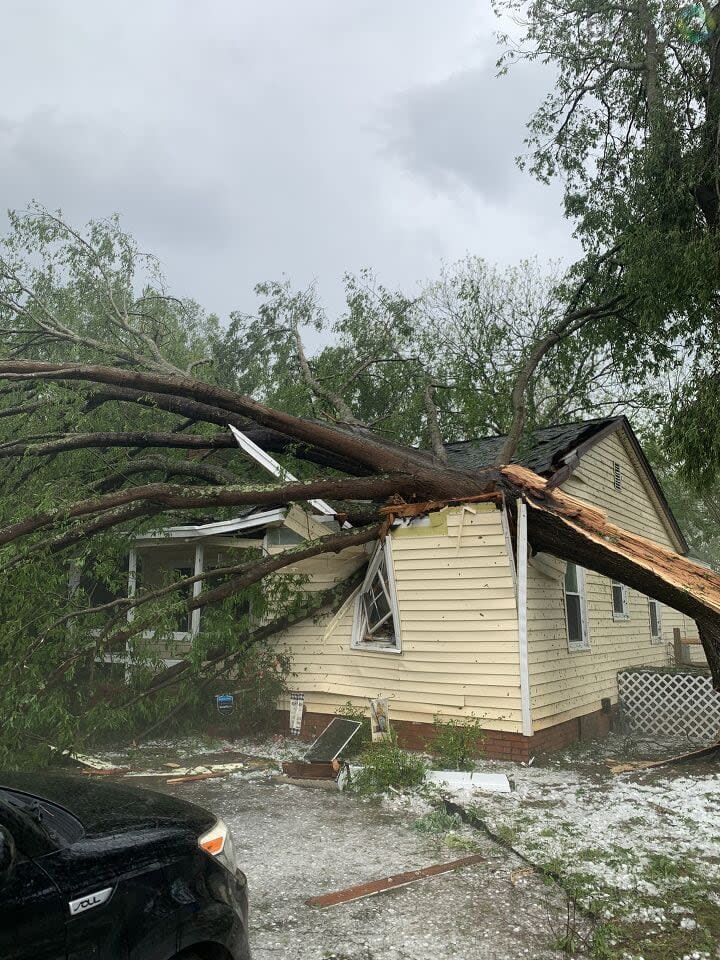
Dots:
pixel 498 744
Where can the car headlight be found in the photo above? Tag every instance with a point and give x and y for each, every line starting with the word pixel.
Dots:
pixel 218 843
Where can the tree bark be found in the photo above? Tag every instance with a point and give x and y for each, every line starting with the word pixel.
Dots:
pixel 183 498
pixel 82 441
pixel 359 445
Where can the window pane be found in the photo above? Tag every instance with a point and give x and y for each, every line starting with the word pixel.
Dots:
pixel 571 578
pixel 574 618
pixel 654 624
pixel 618 598
pixel 379 623
pixel 376 605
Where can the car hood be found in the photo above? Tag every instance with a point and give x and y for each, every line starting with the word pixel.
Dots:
pixel 104 808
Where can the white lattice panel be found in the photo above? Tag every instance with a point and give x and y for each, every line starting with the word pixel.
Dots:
pixel 670 703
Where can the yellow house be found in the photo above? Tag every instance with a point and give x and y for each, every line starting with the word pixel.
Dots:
pixel 538 664
pixel 455 617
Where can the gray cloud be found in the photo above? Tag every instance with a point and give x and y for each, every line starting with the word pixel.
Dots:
pixel 468 128
pixel 240 142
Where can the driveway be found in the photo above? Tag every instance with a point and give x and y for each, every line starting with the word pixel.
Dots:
pixel 295 842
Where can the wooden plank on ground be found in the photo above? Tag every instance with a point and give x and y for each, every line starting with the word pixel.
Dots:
pixel 109 772
pixel 631 765
pixel 191 778
pixel 390 883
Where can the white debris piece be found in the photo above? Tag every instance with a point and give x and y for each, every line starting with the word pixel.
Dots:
pixel 456 780
pixel 189 771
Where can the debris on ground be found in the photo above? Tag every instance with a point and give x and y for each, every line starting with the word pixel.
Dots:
pixel 468 780
pixel 639 851
pixel 634 860
pixel 333 740
pixel 374 887
pixel 185 773
pixel 192 777
pixel 311 771
pixel 629 766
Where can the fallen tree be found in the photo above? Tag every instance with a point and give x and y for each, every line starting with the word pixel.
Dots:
pixel 558 524
pixel 108 434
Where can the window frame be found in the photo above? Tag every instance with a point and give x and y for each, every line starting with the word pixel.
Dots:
pixel 577 646
pixel 655 638
pixel 382 553
pixel 623 614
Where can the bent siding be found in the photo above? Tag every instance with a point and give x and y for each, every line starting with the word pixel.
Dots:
pixel 458 630
pixel 568 684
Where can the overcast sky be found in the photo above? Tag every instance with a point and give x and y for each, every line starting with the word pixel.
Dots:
pixel 240 140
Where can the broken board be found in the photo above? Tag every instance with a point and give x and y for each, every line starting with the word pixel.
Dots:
pixel 454 780
pixel 332 741
pixel 390 883
pixel 633 765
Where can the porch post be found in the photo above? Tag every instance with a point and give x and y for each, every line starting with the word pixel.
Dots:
pixel 132 589
pixel 132 580
pixel 197 587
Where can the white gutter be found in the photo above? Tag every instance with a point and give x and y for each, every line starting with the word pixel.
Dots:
pixel 273 467
pixel 522 568
pixel 266 518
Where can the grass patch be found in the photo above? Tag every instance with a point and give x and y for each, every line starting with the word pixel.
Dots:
pixel 438 822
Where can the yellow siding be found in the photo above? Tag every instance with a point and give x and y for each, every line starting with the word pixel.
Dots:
pixel 634 506
pixel 568 684
pixel 458 627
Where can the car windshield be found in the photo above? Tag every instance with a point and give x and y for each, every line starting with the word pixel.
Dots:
pixel 56 823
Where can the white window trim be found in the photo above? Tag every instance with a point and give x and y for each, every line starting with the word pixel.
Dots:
pixel 576 646
pixel 356 641
pixel 625 613
pixel 617 475
pixel 655 638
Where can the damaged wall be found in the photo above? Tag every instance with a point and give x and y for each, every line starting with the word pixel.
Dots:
pixel 459 631
pixel 567 684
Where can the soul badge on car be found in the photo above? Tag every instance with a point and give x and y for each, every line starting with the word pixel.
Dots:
pixel 90 901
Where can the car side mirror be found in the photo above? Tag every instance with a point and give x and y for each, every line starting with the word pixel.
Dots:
pixel 8 853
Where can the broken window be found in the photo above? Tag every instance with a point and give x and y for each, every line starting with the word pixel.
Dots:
pixel 655 622
pixel 376 622
pixel 576 608
pixel 620 606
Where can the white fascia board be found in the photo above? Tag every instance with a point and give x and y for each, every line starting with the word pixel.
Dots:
pixel 265 519
pixel 273 467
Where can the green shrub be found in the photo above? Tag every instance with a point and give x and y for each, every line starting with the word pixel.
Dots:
pixel 363 738
pixel 456 743
pixel 385 765
pixel 438 822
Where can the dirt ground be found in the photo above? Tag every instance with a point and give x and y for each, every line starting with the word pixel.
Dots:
pixel 639 852
pixel 295 842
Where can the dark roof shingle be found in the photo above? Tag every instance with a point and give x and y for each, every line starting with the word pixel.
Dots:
pixel 541 451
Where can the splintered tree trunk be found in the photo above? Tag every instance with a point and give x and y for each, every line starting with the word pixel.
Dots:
pixel 572 530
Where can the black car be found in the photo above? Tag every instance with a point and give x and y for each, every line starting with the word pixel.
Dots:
pixel 98 871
